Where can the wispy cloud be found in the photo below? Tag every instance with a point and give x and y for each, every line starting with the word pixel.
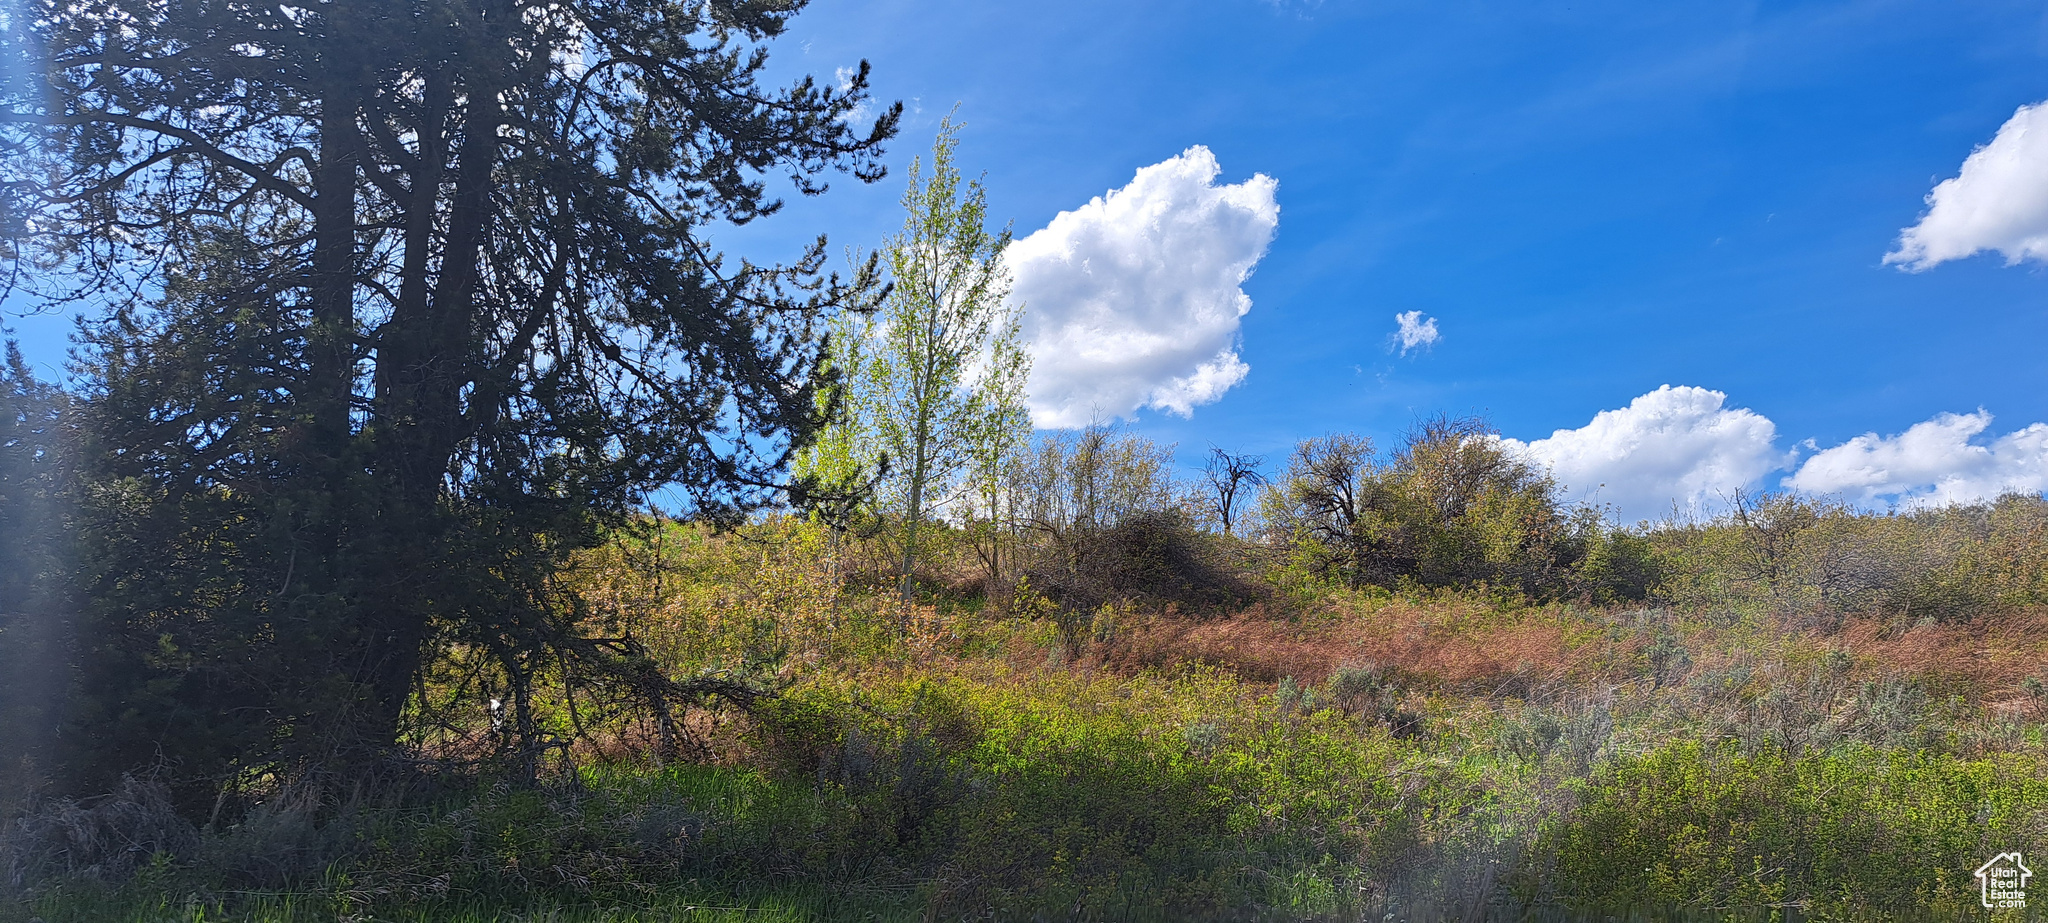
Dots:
pixel 1416 331
pixel 1134 299
pixel 844 77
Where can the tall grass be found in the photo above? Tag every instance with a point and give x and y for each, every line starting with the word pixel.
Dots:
pixel 1320 752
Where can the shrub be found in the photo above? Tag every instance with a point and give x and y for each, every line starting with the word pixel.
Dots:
pixel 1453 507
pixel 1786 552
pixel 1847 832
pixel 1171 797
pixel 104 840
pixel 1158 559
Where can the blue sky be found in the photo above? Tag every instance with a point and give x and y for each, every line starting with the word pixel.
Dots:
pixel 1592 200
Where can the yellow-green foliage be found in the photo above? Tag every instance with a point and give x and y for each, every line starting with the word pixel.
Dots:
pixel 1452 508
pixel 765 594
pixel 1411 750
pixel 1787 552
pixel 1191 792
pixel 1850 832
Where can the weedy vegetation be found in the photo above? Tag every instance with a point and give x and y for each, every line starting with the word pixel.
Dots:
pixel 1148 719
pixel 332 588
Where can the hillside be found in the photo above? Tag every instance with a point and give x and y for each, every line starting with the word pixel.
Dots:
pixel 1231 736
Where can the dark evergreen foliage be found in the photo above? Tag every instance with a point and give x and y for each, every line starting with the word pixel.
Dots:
pixel 405 300
pixel 35 616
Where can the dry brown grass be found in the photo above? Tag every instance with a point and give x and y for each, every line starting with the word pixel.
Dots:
pixel 1460 646
pixel 1422 645
pixel 1981 659
pixel 1488 658
pixel 1249 644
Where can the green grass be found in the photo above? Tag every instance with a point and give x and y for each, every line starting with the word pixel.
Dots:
pixel 1852 832
pixel 1691 764
pixel 792 907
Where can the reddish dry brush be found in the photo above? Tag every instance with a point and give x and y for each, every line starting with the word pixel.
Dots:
pixel 1415 643
pixel 1249 645
pixel 1473 659
pixel 1987 657
pixel 1461 646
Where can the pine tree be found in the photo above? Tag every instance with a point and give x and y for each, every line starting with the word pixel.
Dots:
pixel 35 612
pixel 405 300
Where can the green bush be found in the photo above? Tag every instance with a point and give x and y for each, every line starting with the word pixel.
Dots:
pixel 1453 507
pixel 1851 832
pixel 1788 552
pixel 1174 797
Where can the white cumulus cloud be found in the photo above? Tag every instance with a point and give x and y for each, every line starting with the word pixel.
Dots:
pixel 1998 202
pixel 1133 300
pixel 1930 464
pixel 1416 331
pixel 1673 445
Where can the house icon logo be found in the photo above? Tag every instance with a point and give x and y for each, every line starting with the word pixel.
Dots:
pixel 2002 882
